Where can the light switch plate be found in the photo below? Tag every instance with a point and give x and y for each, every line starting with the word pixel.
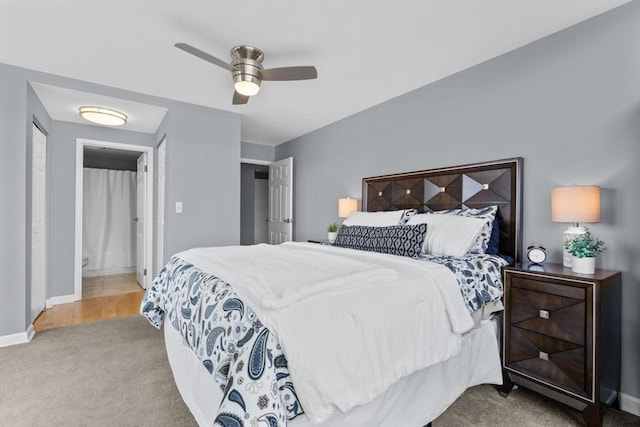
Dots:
pixel 178 207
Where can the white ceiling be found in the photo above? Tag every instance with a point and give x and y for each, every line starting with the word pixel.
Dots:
pixel 63 104
pixel 366 52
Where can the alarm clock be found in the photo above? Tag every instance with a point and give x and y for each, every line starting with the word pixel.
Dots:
pixel 536 254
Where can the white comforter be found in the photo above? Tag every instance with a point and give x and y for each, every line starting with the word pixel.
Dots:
pixel 346 341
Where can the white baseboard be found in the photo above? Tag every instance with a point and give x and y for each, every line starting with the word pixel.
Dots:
pixel 62 299
pixel 630 404
pixel 48 303
pixel 19 338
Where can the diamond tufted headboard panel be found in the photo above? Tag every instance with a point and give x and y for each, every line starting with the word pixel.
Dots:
pixel 474 186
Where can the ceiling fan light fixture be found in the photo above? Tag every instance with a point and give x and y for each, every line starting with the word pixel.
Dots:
pixel 103 116
pixel 247 87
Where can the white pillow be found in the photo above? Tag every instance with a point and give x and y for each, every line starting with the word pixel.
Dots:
pixel 374 219
pixel 449 235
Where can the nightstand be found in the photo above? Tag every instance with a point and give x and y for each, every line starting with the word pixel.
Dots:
pixel 562 335
pixel 320 241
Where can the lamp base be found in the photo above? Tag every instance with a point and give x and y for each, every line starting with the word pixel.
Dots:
pixel 567 236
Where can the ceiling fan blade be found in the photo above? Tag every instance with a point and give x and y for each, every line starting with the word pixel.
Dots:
pixel 290 73
pixel 239 99
pixel 204 55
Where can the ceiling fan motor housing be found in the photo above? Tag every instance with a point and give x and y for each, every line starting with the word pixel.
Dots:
pixel 247 61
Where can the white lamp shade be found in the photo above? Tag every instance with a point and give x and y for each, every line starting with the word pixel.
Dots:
pixel 346 206
pixel 575 204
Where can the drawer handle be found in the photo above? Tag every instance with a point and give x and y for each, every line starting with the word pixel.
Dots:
pixel 544 356
pixel 544 314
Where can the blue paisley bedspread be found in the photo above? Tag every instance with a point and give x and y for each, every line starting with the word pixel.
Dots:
pixel 479 277
pixel 245 359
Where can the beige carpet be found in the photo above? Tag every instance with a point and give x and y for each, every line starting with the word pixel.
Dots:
pixel 115 373
pixel 106 373
pixel 482 406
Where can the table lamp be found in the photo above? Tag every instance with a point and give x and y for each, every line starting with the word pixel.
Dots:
pixel 576 204
pixel 346 206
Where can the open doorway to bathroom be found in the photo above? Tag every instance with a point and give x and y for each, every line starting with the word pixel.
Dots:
pixel 113 218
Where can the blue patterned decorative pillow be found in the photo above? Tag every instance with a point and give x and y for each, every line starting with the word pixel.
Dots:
pixel 355 237
pixel 403 240
pixel 408 213
pixel 482 243
pixel 488 213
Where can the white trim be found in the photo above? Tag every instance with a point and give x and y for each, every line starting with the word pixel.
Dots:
pixel 629 404
pixel 255 161
pixel 48 303
pixel 162 202
pixel 30 332
pixel 62 299
pixel 19 338
pixel 80 143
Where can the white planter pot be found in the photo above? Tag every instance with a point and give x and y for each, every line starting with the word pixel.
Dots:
pixel 331 236
pixel 583 265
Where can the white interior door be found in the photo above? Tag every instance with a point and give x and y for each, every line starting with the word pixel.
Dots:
pixel 281 201
pixel 162 161
pixel 38 223
pixel 261 211
pixel 141 195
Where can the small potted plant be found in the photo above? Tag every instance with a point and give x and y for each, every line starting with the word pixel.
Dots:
pixel 583 249
pixel 332 230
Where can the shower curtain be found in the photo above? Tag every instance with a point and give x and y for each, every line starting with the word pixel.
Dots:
pixel 108 226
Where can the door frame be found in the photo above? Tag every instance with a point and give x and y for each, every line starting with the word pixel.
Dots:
pixel 162 201
pixel 80 144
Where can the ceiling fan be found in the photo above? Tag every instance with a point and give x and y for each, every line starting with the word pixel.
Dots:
pixel 247 71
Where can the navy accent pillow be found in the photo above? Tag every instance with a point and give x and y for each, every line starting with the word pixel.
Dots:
pixel 493 246
pixel 403 240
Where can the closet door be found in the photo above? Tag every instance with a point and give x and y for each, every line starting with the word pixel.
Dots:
pixel 38 223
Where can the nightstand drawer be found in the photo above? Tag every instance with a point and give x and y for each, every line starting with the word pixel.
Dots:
pixel 559 362
pixel 553 315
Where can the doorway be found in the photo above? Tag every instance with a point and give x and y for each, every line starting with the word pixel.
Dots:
pixel 266 202
pixel 135 226
pixel 254 204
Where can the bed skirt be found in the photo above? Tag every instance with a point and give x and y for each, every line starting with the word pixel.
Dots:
pixel 415 400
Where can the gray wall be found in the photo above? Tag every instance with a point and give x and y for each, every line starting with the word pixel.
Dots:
pixel 569 104
pixel 252 151
pixel 203 171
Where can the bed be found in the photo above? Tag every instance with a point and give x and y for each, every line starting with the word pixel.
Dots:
pixel 247 355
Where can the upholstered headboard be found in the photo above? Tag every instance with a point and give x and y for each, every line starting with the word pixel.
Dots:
pixel 474 186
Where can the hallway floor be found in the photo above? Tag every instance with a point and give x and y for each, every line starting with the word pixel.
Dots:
pixel 103 297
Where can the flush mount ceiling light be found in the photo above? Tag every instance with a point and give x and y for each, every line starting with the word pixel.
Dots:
pixel 103 116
